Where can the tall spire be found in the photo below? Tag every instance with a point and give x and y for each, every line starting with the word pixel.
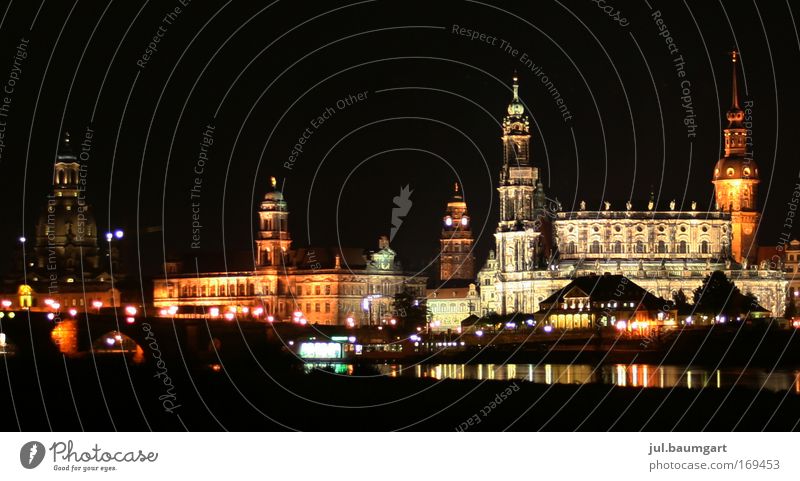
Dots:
pixel 735 115
pixel 516 86
pixel 515 108
pixel 735 89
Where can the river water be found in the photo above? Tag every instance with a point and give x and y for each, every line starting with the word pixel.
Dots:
pixel 633 375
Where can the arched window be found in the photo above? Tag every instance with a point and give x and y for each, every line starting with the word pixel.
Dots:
pixel 595 247
pixel 222 290
pixel 640 249
pixel 251 289
pixel 662 247
pixel 212 291
pixel 241 292
pixel 194 291
pixel 704 247
pixel 682 247
pixel 617 247
pixel 570 247
pixel 184 291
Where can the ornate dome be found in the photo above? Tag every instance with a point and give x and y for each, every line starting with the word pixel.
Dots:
pixel 731 168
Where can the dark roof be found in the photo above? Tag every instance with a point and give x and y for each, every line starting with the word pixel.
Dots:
pixel 436 284
pixel 325 257
pixel 614 287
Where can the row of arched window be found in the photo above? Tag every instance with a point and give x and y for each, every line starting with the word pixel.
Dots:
pixel 640 247
pixel 219 291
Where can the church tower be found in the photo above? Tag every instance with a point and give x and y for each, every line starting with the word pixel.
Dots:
pixel 456 260
pixel 518 240
pixel 273 240
pixel 66 233
pixel 736 179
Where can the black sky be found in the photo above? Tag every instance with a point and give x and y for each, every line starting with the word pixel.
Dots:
pixel 270 70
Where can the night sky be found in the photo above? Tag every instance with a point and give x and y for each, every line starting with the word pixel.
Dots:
pixel 429 113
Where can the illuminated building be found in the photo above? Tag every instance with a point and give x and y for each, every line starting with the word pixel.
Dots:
pixel 454 296
pixel 449 305
pixel 736 179
pixel 540 248
pixel 606 301
pixel 456 260
pixel 66 266
pixel 314 285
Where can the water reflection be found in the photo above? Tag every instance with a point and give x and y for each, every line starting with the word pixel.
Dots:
pixel 635 375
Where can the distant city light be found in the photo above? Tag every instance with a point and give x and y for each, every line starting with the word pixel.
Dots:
pixel 130 320
pixel 47 302
pixel 73 312
pixel 172 310
pixel 229 316
pixel 22 239
pixel 130 310
pixel 270 318
pixel 118 233
pixel 97 304
pixel 351 339
pixel 110 341
pixel 51 316
pixel 479 333
pixel 109 236
pixel 6 303
pixel 548 328
pixel 214 312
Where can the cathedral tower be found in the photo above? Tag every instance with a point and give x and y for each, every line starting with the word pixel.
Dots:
pixel 456 260
pixel 273 239
pixel 518 240
pixel 736 179
pixel 66 234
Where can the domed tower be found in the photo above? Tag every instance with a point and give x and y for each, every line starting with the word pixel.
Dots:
pixel 518 238
pixel 736 179
pixel 456 260
pixel 517 176
pixel 273 240
pixel 66 233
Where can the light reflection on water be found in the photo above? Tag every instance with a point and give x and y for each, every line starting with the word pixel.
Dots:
pixel 634 375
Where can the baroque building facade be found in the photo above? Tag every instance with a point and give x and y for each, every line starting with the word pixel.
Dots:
pixel 316 285
pixel 539 248
pixel 66 269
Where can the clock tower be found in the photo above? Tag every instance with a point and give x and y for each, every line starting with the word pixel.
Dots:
pixel 456 260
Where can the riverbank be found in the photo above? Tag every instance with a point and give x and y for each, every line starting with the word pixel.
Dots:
pixel 108 394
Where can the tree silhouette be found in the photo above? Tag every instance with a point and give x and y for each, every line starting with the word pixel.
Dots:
pixel 719 296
